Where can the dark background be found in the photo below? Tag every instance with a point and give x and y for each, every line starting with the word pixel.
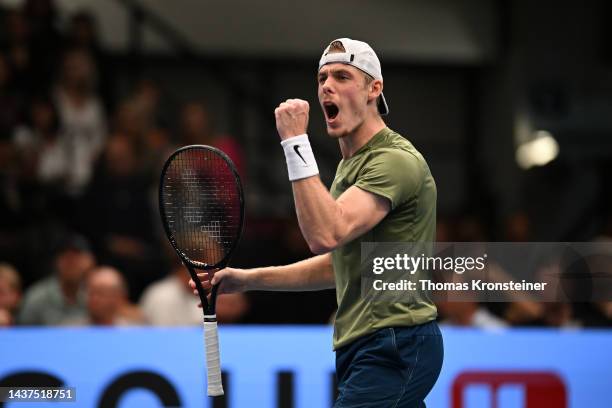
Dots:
pixel 466 83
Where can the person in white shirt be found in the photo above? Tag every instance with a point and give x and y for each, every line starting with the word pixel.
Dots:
pixel 170 302
pixel 82 119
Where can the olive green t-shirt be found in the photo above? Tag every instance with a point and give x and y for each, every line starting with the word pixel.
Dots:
pixel 389 166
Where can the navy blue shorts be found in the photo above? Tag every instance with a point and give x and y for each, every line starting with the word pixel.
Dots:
pixel 392 367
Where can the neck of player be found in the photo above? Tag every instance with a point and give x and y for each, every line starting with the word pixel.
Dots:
pixel 355 140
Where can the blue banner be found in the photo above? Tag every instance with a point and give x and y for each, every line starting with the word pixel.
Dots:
pixel 264 366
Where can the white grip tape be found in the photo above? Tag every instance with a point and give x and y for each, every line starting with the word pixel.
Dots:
pixel 300 159
pixel 213 360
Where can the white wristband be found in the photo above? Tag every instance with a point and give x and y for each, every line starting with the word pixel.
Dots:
pixel 300 159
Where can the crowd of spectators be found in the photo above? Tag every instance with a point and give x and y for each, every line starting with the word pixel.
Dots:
pixel 80 237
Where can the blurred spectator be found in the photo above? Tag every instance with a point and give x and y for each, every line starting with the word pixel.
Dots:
pixel 468 314
pixel 117 213
pixel 196 124
pixel 10 199
pixel 15 218
pixel 10 294
pixel 231 307
pixel 197 128
pixel 139 119
pixel 107 303
pixel 598 313
pixel 60 296
pixel 170 302
pixel 19 55
pixel 543 310
pixel 520 310
pixel 83 34
pixel 131 122
pixel 148 97
pixel 467 311
pixel 81 117
pixel 560 315
pixel 43 151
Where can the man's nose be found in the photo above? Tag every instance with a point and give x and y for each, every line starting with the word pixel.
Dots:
pixel 327 86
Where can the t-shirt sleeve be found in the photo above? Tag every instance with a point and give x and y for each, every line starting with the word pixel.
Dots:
pixel 29 313
pixel 394 174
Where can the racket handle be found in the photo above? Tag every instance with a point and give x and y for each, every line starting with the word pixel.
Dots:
pixel 213 359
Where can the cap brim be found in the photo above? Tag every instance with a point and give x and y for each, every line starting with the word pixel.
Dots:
pixel 383 108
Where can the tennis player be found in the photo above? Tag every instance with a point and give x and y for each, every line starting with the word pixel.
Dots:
pixel 387 354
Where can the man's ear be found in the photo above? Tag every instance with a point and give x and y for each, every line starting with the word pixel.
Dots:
pixel 375 89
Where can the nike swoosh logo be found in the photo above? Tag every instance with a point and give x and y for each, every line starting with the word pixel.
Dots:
pixel 296 148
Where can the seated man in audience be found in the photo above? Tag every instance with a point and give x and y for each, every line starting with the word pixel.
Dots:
pixel 10 294
pixel 170 302
pixel 61 296
pixel 107 301
pixel 469 314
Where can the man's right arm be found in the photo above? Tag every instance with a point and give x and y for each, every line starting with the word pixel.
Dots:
pixel 314 273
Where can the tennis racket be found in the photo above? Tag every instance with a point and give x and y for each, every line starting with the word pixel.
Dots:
pixel 202 209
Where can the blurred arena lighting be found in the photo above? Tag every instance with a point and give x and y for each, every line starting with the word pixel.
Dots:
pixel 539 151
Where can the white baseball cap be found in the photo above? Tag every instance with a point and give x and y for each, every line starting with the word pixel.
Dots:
pixel 360 55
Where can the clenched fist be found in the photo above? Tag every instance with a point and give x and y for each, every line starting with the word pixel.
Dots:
pixel 291 118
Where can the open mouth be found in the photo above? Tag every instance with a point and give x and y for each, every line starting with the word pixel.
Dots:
pixel 331 110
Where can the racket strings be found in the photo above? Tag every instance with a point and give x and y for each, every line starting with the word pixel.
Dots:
pixel 202 205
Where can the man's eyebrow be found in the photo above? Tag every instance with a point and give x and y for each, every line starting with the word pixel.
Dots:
pixel 335 71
